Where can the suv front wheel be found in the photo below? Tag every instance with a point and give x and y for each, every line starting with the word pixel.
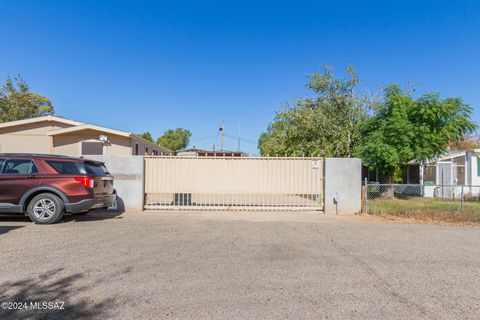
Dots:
pixel 45 208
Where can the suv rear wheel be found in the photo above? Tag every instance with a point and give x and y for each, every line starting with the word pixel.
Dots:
pixel 45 208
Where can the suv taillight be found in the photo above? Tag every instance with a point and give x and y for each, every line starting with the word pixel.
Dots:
pixel 87 182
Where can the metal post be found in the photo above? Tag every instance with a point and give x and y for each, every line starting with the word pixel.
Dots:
pixel 462 201
pixel 422 184
pixel 366 196
pixel 222 129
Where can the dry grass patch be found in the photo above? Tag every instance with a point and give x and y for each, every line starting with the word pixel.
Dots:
pixel 426 209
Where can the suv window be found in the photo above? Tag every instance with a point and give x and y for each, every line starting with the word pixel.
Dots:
pixel 1 164
pixel 67 167
pixel 19 166
pixel 95 168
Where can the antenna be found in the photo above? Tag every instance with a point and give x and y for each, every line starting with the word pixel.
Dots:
pixel 238 142
pixel 222 131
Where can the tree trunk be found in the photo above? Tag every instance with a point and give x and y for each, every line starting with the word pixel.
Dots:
pixel 387 191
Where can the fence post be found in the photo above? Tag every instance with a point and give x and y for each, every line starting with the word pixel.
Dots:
pixel 362 207
pixel 462 201
pixel 366 196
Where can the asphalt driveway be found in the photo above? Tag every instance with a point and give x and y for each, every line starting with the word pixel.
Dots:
pixel 239 266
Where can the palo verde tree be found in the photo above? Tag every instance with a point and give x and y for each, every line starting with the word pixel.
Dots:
pixel 175 139
pixel 17 102
pixel 403 128
pixel 323 125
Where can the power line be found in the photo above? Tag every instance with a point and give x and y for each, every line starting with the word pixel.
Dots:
pixel 203 138
pixel 241 139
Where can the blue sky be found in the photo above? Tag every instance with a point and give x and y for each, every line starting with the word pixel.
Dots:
pixel 153 65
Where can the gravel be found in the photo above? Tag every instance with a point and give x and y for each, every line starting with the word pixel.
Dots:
pixel 207 265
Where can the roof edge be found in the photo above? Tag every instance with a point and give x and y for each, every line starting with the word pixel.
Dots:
pixel 86 127
pixel 39 119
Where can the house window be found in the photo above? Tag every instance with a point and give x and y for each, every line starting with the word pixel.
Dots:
pixel 136 149
pixel 92 148
pixel 146 150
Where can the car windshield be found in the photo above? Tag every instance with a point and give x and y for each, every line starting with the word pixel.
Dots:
pixel 96 168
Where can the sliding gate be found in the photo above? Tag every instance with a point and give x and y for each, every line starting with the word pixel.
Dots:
pixel 229 183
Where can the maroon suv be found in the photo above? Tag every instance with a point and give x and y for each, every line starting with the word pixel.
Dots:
pixel 46 186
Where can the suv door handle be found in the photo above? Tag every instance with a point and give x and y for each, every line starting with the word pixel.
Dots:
pixel 32 177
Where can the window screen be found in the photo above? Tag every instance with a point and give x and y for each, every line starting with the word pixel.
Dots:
pixel 478 166
pixel 92 148
pixel 67 167
pixel 430 175
pixel 19 166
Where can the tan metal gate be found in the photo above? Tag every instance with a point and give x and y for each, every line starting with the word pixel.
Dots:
pixel 249 183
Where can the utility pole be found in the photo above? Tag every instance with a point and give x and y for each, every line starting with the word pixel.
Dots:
pixel 238 146
pixel 222 130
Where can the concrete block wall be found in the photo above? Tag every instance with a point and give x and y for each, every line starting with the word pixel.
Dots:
pixel 343 178
pixel 128 172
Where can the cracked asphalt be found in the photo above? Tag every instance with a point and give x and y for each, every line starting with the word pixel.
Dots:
pixel 209 265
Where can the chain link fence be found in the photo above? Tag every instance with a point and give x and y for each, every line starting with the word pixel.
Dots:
pixel 450 203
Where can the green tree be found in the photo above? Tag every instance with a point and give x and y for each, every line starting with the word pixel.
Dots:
pixel 146 135
pixel 175 139
pixel 326 124
pixel 17 102
pixel 263 141
pixel 403 128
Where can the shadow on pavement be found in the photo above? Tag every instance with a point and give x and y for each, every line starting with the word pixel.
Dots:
pixel 6 229
pixel 14 217
pixel 94 215
pixel 98 214
pixel 50 287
